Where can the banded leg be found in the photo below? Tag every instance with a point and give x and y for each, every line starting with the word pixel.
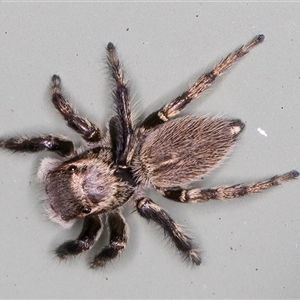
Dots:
pixel 227 192
pixel 117 243
pixel 121 125
pixel 205 81
pixel 89 131
pixel 58 144
pixel 90 233
pixel 152 212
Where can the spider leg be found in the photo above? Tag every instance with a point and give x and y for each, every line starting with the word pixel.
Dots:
pixel 121 125
pixel 58 144
pixel 90 233
pixel 205 81
pixel 152 212
pixel 118 239
pixel 89 131
pixel 225 192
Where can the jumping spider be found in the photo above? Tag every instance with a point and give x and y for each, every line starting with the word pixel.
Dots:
pixel 114 168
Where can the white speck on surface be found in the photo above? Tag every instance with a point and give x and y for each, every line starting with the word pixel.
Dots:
pixel 261 131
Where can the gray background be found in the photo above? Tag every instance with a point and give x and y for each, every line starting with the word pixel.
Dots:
pixel 250 246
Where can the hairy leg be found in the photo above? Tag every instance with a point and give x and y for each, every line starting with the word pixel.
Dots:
pixel 90 233
pixel 205 81
pixel 225 192
pixel 89 131
pixel 121 125
pixel 152 212
pixel 58 144
pixel 117 243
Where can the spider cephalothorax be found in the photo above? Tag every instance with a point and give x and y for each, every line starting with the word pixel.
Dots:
pixel 95 181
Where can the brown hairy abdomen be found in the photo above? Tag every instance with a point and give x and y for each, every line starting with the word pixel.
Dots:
pixel 183 149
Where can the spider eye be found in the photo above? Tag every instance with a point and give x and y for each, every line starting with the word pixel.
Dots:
pixel 72 168
pixel 86 210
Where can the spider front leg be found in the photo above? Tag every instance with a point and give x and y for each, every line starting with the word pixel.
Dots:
pixel 90 233
pixel 205 81
pixel 152 212
pixel 117 243
pixel 58 144
pixel 89 131
pixel 225 192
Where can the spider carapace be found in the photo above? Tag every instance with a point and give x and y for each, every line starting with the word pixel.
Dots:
pixel 113 168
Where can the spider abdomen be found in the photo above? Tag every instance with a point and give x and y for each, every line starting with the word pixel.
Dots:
pixel 181 150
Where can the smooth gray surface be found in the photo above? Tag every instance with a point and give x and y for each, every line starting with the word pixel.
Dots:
pixel 250 246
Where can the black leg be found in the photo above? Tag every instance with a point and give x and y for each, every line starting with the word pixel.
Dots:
pixel 89 131
pixel 205 81
pixel 152 212
pixel 90 233
pixel 121 125
pixel 58 144
pixel 117 243
pixel 225 192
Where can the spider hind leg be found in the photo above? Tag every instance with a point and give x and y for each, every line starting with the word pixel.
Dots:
pixel 205 81
pixel 225 192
